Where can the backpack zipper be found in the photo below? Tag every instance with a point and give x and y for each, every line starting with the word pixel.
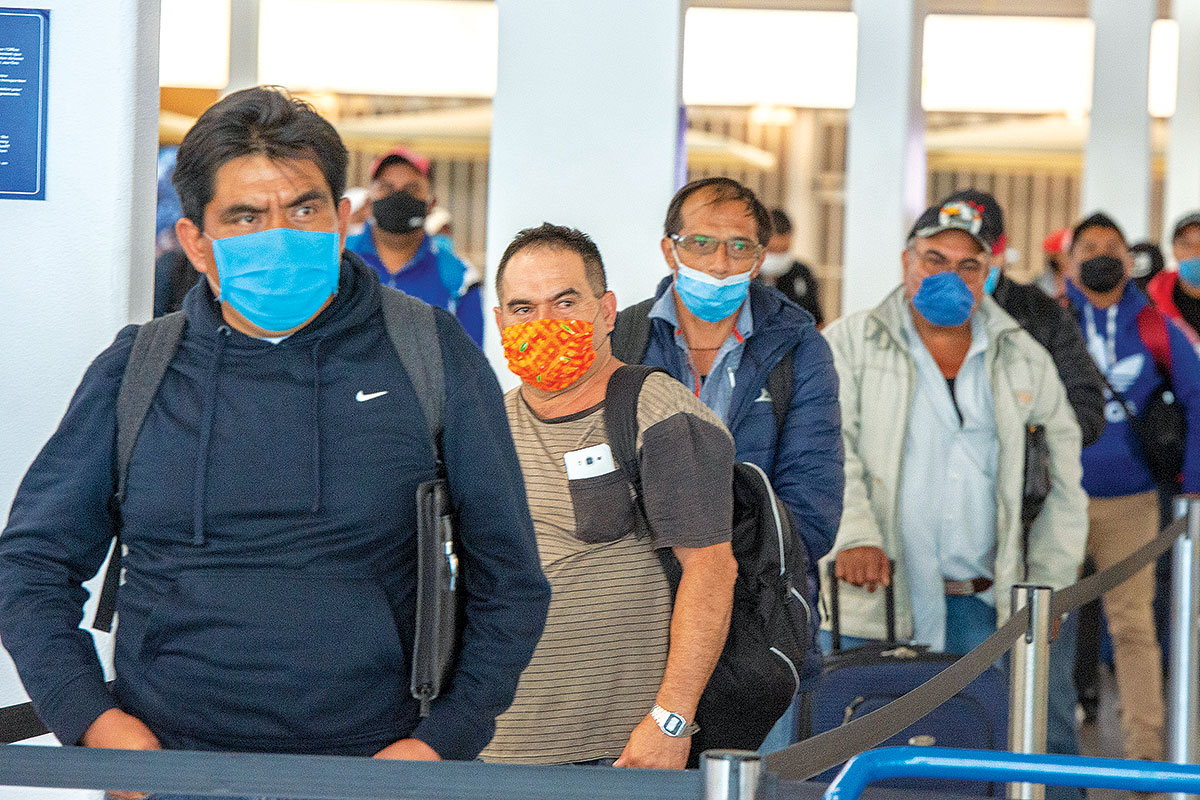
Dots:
pixel 791 666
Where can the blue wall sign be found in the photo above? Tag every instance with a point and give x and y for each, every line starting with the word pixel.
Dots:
pixel 24 58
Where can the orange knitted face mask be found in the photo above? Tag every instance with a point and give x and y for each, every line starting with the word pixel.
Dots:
pixel 549 354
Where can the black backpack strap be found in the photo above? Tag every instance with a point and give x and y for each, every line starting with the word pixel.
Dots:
pixel 153 348
pixel 779 386
pixel 621 422
pixel 411 326
pixel 631 332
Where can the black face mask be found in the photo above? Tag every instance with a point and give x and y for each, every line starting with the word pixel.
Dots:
pixel 399 212
pixel 1102 273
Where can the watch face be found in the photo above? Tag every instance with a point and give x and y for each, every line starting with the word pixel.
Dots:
pixel 673 725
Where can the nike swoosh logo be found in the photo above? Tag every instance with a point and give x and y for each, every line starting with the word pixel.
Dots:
pixel 764 397
pixel 363 397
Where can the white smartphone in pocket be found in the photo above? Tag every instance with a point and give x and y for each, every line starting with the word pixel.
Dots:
pixel 589 462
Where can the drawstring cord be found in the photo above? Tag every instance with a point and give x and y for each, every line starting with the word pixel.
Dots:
pixel 316 423
pixel 199 487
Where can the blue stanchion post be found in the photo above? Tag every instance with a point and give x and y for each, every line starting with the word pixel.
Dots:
pixel 988 765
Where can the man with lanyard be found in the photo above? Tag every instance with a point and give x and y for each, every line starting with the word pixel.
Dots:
pixel 395 244
pixel 1123 509
pixel 724 335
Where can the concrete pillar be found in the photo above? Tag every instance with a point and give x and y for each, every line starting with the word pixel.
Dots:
pixel 1183 145
pixel 1116 169
pixel 79 265
pixel 885 157
pixel 799 190
pixel 586 133
pixel 243 45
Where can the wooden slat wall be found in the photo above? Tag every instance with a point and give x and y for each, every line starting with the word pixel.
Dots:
pixel 1035 202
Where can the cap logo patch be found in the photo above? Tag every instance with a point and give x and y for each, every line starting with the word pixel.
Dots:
pixel 963 216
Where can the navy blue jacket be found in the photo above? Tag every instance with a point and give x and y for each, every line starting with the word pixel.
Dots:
pixel 269 595
pixel 1114 465
pixel 805 462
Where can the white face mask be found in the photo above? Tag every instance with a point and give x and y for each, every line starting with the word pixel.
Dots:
pixel 775 264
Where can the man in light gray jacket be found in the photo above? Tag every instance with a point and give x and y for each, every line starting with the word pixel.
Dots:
pixel 938 386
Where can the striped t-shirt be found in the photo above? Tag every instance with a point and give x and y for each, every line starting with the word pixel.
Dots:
pixel 598 666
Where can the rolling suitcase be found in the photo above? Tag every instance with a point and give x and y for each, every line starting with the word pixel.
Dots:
pixel 861 679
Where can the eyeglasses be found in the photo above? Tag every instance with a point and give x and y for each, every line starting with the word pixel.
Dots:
pixel 933 261
pixel 736 249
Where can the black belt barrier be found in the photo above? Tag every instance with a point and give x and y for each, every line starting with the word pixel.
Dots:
pixel 312 777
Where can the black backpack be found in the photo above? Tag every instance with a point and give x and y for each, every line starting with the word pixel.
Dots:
pixel 760 666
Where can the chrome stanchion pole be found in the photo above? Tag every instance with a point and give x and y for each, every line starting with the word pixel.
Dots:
pixel 1029 683
pixel 730 774
pixel 1182 735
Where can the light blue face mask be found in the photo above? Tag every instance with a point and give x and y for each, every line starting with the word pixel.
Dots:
pixel 711 299
pixel 944 299
pixel 1189 270
pixel 277 278
pixel 989 283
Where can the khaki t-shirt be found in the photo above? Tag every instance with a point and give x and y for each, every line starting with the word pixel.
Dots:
pixel 598 666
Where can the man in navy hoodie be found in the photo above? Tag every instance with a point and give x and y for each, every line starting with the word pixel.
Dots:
pixel 1123 506
pixel 722 334
pixel 269 593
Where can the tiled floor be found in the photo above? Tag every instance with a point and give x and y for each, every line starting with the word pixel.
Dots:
pixel 1103 738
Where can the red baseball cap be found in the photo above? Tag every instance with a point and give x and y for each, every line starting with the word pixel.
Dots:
pixel 1057 242
pixel 400 153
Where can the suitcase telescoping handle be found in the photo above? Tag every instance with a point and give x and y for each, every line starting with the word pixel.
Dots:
pixel 835 607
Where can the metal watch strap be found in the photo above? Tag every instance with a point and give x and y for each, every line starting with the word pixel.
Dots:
pixel 672 724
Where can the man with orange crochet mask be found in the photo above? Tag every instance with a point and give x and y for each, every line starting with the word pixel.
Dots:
pixel 620 668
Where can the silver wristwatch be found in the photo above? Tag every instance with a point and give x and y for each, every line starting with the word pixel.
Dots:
pixel 672 724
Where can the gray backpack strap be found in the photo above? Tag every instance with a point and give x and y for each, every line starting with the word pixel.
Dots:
pixel 411 326
pixel 153 348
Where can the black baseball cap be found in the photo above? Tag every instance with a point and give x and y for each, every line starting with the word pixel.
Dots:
pixel 957 215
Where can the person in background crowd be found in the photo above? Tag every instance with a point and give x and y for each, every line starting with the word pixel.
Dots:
pixel 1123 509
pixel 1052 281
pixel 938 386
pixel 360 209
pixel 1177 293
pixel 173 273
pixel 269 522
pixel 1148 262
pixel 723 336
pixel 620 669
pixel 1051 325
pixel 787 274
pixel 396 245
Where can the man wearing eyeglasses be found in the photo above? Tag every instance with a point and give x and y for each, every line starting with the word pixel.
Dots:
pixel 938 386
pixel 754 358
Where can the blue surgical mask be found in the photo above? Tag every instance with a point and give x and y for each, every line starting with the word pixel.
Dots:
pixel 1189 270
pixel 989 283
pixel 944 299
pixel 278 278
pixel 711 299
